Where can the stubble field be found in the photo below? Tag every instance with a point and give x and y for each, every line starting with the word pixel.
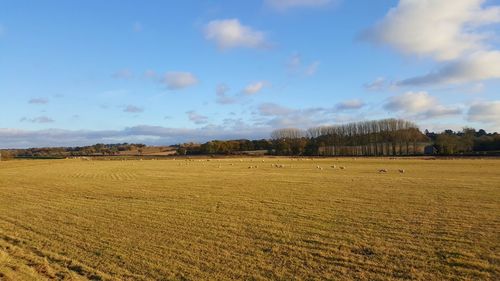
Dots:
pixel 210 219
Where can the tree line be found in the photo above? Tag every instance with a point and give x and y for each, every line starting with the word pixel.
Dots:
pixel 466 141
pixel 60 152
pixel 387 137
pixel 367 138
pixel 378 137
pixel 225 147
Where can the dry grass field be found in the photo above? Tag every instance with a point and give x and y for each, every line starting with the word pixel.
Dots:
pixel 221 220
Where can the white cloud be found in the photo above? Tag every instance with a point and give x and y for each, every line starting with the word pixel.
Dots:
pixel 440 111
pixel 38 101
pixel 485 112
pixel 459 34
pixel 350 105
pixel 177 80
pixel 420 105
pixel 411 102
pixel 133 109
pixel 230 33
pixel 255 87
pixel 444 30
pixel 478 66
pixel 282 5
pixel 197 118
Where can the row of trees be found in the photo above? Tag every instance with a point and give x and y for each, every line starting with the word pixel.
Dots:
pixel 380 137
pixel 466 141
pixel 225 147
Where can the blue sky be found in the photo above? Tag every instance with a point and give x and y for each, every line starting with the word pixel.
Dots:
pixel 159 72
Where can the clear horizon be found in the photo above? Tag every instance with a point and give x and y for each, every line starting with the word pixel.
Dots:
pixel 85 72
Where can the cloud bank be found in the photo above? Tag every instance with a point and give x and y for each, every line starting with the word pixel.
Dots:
pixel 420 105
pixel 485 112
pixel 151 135
pixel 458 34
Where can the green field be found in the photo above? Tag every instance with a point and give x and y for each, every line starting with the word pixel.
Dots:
pixel 221 220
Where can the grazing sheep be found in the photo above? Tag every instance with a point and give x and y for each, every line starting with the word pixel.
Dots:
pixel 382 171
pixel 334 166
pixel 402 171
pixel 342 167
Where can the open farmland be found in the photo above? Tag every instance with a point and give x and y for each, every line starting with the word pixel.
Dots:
pixel 220 220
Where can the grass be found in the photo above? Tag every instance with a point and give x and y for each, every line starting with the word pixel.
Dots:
pixel 220 220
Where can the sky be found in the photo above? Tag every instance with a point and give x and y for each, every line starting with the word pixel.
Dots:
pixel 166 72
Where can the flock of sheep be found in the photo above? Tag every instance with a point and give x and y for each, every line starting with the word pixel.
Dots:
pixel 274 165
pixel 401 171
pixel 277 165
